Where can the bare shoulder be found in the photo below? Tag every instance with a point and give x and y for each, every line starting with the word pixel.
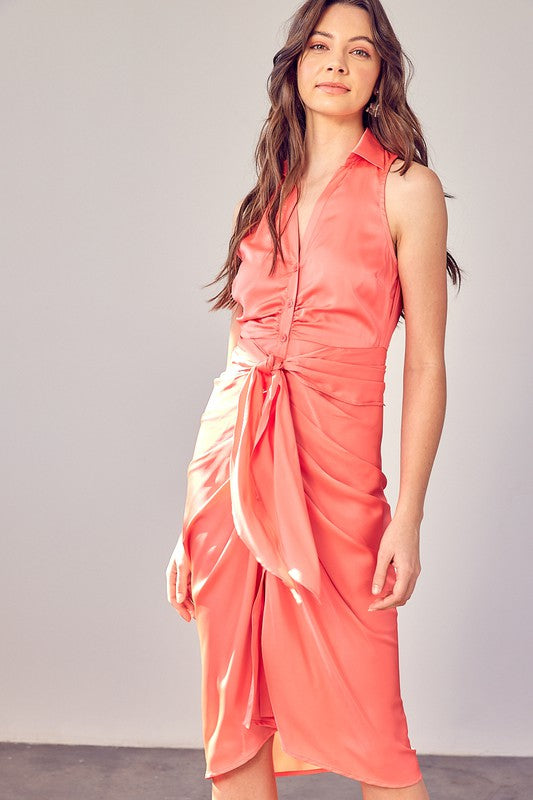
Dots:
pixel 410 197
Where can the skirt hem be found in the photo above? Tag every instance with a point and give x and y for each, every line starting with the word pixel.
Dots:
pixel 209 775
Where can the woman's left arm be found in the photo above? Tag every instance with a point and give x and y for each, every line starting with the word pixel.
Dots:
pixel 416 202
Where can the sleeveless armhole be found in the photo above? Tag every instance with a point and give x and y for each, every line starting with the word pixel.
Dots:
pixel 384 217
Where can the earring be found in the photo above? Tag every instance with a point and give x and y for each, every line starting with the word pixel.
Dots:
pixel 373 108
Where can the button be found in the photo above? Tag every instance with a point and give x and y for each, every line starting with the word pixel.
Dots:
pixel 295 269
pixel 289 303
pixel 283 337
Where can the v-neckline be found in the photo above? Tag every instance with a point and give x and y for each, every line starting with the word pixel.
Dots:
pixel 302 241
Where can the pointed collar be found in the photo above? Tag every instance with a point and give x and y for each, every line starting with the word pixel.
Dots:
pixel 368 147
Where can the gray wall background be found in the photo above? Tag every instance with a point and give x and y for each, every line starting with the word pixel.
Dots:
pixel 127 137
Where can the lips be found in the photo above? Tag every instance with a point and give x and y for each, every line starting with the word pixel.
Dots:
pixel 334 85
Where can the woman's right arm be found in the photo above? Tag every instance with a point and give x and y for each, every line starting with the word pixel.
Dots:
pixel 178 572
pixel 234 325
pixel 233 332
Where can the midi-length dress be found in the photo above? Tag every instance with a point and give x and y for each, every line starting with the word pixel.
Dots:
pixel 285 503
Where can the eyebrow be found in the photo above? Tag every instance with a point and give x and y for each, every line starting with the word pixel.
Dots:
pixel 353 38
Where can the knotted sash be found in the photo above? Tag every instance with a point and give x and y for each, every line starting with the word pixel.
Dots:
pixel 267 493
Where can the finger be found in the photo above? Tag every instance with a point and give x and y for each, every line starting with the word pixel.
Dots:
pixel 411 589
pixel 396 597
pixel 185 609
pixel 380 573
pixel 171 583
pixel 399 600
pixel 182 584
pixel 186 604
pixel 189 605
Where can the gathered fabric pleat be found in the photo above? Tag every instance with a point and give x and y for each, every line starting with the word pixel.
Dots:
pixel 267 494
pixel 268 502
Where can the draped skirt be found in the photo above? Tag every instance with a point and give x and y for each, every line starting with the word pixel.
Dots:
pixel 284 514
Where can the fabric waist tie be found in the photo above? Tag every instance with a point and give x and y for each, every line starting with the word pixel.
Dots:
pixel 267 493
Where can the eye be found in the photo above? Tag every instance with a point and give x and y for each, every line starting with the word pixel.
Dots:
pixel 357 49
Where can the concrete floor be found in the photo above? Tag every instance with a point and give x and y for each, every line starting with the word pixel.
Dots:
pixel 63 772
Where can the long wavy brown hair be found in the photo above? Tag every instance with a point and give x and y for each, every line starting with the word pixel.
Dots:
pixel 282 136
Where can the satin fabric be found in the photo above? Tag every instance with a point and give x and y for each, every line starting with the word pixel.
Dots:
pixel 285 504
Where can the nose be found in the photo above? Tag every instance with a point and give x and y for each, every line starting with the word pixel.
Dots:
pixel 337 62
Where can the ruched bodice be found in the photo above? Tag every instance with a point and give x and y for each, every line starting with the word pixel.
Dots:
pixel 341 287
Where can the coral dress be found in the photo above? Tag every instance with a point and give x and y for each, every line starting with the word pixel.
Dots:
pixel 285 504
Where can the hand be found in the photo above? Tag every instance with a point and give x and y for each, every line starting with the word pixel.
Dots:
pixel 400 544
pixel 178 574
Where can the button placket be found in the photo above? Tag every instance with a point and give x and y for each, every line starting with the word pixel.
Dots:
pixel 288 310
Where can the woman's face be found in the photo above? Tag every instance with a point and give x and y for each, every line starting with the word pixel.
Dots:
pixel 339 52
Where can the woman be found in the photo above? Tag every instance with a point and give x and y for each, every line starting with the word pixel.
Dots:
pixel 289 558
